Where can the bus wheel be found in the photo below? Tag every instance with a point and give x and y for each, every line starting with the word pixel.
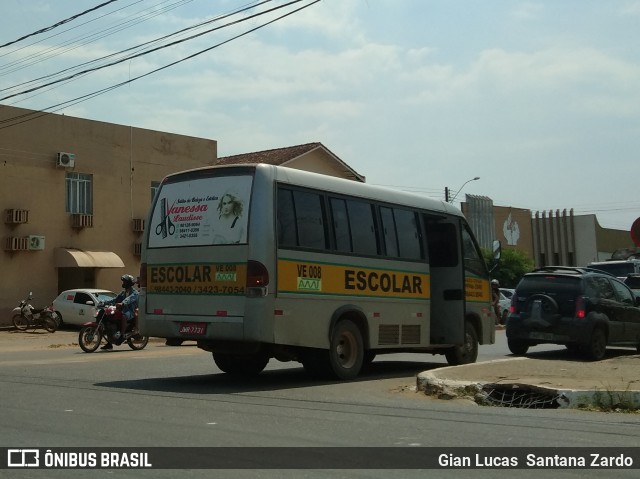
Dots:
pixel 346 351
pixel 247 365
pixel 467 352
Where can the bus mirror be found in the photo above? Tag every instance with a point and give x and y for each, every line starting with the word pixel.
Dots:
pixel 497 253
pixel 497 250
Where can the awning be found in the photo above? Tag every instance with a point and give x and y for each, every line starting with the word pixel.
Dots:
pixel 75 258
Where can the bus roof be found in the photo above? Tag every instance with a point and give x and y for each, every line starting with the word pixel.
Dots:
pixel 331 184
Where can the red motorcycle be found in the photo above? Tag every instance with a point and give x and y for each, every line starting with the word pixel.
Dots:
pixel 107 326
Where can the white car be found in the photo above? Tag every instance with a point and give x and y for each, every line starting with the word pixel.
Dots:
pixel 505 304
pixel 72 307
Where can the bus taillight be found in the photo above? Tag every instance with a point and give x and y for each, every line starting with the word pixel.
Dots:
pixel 142 279
pixel 257 279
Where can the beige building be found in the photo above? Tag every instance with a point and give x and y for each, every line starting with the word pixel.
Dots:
pixel 74 195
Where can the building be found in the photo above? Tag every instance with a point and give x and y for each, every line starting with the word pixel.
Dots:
pixel 548 238
pixel 566 239
pixel 310 157
pixel 75 194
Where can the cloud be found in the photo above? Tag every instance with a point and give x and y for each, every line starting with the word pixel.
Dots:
pixel 527 11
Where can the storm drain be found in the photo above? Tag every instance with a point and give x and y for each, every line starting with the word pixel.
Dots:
pixel 519 395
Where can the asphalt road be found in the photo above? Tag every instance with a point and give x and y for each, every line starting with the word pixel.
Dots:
pixel 58 396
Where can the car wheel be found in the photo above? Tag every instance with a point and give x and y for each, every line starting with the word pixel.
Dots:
pixel 597 346
pixel 517 347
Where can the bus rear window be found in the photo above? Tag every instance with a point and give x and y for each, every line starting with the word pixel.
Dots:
pixel 201 211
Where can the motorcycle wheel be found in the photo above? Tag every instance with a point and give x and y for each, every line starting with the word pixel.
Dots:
pixel 89 338
pixel 20 322
pixel 50 324
pixel 57 318
pixel 137 342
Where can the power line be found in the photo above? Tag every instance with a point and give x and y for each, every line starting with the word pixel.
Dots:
pixel 137 47
pixel 131 57
pixel 51 52
pixel 60 106
pixel 56 25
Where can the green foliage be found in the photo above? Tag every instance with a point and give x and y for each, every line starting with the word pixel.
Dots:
pixel 512 266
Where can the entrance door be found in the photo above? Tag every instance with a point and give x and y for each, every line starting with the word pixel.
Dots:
pixel 74 278
pixel 447 280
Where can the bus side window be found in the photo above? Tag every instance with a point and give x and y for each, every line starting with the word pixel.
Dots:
pixel 473 260
pixel 389 232
pixel 341 232
pixel 286 219
pixel 363 228
pixel 310 220
pixel 409 241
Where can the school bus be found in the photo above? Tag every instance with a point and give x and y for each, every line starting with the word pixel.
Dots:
pixel 256 262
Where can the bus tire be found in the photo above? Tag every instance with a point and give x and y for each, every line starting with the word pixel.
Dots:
pixel 246 365
pixel 346 350
pixel 466 352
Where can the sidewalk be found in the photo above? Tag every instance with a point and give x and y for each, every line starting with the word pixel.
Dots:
pixel 527 382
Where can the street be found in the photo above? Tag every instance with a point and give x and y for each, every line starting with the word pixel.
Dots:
pixel 57 396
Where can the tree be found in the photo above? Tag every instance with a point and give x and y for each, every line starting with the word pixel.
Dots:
pixel 512 266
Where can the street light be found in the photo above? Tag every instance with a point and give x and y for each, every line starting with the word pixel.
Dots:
pixel 446 190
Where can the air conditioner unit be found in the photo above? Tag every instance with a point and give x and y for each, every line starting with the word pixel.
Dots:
pixel 137 225
pixel 137 249
pixel 14 243
pixel 81 221
pixel 66 160
pixel 14 216
pixel 36 242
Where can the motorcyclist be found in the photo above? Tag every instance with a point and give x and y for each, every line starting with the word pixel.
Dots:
pixel 127 303
pixel 495 299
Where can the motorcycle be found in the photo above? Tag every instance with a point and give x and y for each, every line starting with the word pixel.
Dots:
pixel 107 326
pixel 25 316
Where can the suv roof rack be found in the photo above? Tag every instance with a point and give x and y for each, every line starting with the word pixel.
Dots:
pixel 569 269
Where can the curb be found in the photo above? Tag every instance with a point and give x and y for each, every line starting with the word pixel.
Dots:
pixel 521 395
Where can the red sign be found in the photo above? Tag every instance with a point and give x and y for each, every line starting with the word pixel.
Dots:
pixel 635 232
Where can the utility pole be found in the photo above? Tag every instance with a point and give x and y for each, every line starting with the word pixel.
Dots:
pixel 446 194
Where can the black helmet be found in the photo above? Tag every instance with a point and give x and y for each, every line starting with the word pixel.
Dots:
pixel 127 280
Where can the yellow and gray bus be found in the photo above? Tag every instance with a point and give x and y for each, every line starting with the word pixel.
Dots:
pixel 256 262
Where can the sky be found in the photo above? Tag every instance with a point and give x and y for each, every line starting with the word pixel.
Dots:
pixel 540 99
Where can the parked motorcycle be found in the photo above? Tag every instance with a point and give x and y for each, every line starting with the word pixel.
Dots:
pixel 107 326
pixel 25 316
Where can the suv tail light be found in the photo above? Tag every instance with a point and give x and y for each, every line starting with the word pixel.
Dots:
pixel 581 310
pixel 514 301
pixel 257 279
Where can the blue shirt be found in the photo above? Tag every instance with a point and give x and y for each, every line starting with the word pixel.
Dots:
pixel 129 303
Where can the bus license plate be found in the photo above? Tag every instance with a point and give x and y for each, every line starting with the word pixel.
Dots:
pixel 193 329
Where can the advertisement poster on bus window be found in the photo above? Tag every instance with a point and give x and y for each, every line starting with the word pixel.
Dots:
pixel 201 212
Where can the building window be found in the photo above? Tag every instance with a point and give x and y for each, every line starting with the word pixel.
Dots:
pixel 79 194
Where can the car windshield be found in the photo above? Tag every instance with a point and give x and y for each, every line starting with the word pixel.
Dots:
pixel 633 282
pixel 105 296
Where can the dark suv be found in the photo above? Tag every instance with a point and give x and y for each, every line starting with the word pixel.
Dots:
pixel 584 309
